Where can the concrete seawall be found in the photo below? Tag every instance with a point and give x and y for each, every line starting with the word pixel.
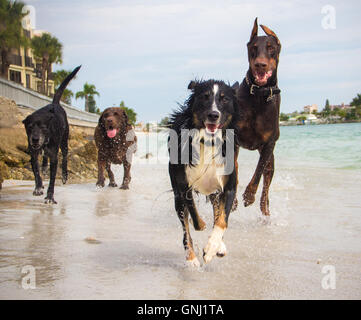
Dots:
pixel 32 100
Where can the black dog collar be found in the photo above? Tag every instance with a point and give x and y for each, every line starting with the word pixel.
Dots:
pixel 256 90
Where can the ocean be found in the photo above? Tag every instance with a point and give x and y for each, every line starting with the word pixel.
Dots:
pixel 319 146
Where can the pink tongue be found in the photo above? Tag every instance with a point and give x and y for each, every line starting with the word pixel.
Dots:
pixel 211 127
pixel 261 79
pixel 112 133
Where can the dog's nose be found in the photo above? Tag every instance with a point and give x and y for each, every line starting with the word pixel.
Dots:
pixel 213 116
pixel 35 140
pixel 260 65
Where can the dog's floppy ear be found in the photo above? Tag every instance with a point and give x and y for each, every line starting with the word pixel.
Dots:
pixel 100 121
pixel 269 32
pixel 254 30
pixel 26 120
pixel 126 118
pixel 192 85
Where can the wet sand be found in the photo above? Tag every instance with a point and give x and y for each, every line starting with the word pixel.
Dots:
pixel 115 244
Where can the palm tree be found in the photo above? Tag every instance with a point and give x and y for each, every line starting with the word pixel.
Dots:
pixel 132 115
pixel 49 50
pixel 59 77
pixel 11 34
pixel 89 90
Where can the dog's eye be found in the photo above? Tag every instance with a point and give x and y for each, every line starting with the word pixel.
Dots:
pixel 206 95
pixel 270 49
pixel 254 51
pixel 222 96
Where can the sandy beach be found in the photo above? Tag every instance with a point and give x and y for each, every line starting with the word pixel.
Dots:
pixel 115 244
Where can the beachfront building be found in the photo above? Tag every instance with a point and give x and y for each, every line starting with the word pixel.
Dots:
pixel 341 106
pixel 24 68
pixel 310 109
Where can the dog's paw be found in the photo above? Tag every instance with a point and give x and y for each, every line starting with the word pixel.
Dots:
pixel 222 250
pixel 38 191
pixel 50 200
pixel 215 245
pixel 193 263
pixel 248 197
pixel 64 178
pixel 100 184
pixel 124 187
pixel 113 184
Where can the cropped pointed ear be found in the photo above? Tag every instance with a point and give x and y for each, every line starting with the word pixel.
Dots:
pixel 192 85
pixel 235 87
pixel 254 30
pixel 269 32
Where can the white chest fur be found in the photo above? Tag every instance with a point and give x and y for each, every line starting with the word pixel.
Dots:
pixel 206 176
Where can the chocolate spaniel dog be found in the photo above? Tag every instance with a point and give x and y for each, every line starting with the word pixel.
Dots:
pixel 116 142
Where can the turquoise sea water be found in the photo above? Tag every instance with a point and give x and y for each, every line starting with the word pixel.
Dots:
pixel 330 146
pixel 314 146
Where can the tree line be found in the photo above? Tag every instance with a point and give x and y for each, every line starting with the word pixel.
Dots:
pixel 347 114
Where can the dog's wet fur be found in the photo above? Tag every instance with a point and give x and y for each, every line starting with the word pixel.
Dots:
pixel 47 130
pixel 210 110
pixel 114 135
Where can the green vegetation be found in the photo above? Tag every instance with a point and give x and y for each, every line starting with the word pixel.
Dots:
pixel 49 50
pixel 11 32
pixel 164 122
pixel 89 91
pixel 132 115
pixel 330 113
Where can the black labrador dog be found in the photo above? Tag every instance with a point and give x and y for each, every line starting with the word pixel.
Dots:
pixel 47 130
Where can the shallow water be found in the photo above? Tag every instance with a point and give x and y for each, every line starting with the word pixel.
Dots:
pixel 115 244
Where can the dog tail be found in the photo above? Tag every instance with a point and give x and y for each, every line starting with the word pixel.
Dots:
pixel 60 90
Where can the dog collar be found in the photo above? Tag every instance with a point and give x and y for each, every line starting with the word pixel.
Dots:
pixel 256 90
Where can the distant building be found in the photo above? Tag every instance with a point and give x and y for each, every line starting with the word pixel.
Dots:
pixel 341 106
pixel 24 68
pixel 310 109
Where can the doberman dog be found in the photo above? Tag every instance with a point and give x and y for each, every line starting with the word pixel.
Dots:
pixel 48 130
pixel 259 103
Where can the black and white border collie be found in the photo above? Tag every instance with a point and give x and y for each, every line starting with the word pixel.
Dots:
pixel 203 159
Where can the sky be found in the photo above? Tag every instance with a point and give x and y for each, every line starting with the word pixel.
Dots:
pixel 146 52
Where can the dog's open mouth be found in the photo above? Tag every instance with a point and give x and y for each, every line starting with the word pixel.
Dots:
pixel 212 127
pixel 111 133
pixel 261 77
pixel 35 146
